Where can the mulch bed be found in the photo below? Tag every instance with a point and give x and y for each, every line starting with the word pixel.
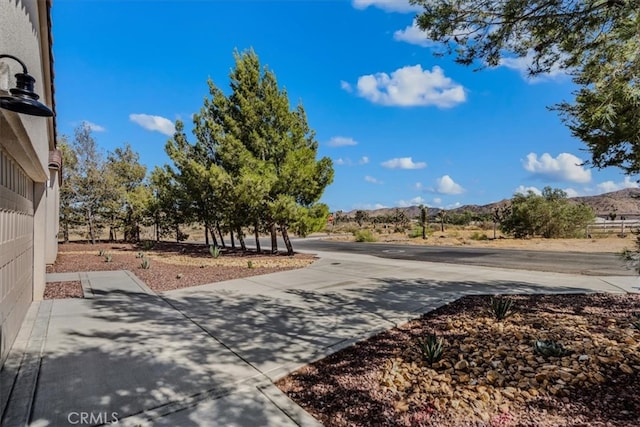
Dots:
pixel 489 374
pixel 173 265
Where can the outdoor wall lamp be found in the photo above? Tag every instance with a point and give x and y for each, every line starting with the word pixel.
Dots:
pixel 23 99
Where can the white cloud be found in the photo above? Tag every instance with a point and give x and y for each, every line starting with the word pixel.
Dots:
pixel 418 186
pixel 346 86
pixel 340 161
pixel 609 186
pixel 413 202
pixel 411 86
pixel 446 185
pixel 94 127
pixel 369 206
pixel 564 167
pixel 372 180
pixel 154 123
pixel 341 141
pixel 401 6
pixel 523 64
pixel 525 190
pixel 571 192
pixel 454 205
pixel 363 160
pixel 437 200
pixel 403 163
pixel 413 35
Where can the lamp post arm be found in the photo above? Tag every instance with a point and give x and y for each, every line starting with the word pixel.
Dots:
pixel 24 67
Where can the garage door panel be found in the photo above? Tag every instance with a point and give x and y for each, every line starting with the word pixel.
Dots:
pixel 16 249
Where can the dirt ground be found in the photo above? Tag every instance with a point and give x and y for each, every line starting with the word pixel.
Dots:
pixel 469 237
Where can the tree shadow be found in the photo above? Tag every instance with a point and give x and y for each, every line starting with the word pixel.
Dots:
pixel 130 352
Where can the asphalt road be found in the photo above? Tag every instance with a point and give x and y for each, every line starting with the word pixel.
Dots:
pixel 594 264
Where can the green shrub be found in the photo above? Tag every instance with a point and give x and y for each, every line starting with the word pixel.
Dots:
pixel 214 251
pixel 148 244
pixel 365 236
pixel 249 264
pixel 501 308
pixel 431 348
pixel 478 236
pixel 417 232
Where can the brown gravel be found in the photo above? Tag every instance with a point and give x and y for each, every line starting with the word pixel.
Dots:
pixel 60 290
pixel 173 265
pixel 489 375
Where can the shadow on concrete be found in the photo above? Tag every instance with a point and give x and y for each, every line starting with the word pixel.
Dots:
pixel 127 353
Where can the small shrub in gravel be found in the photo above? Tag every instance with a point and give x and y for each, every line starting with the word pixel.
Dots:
pixel 146 264
pixel 550 348
pixel 214 251
pixel 431 348
pixel 108 258
pixel 501 307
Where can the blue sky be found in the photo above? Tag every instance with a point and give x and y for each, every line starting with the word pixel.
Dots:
pixel 403 126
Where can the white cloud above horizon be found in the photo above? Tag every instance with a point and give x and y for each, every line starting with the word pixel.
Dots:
pixel 524 63
pixel 401 6
pixel 416 201
pixel 446 185
pixel 369 206
pixel 94 127
pixel 346 86
pixel 564 167
pixel 341 141
pixel 372 180
pixel 363 160
pixel 154 123
pixel 524 190
pixel 411 86
pixel 610 186
pixel 413 35
pixel 403 163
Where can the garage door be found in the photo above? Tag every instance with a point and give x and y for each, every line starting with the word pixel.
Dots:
pixel 16 249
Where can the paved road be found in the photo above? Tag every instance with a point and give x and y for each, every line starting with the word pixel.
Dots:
pixel 598 264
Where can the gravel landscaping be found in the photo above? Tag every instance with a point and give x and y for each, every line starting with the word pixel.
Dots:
pixel 489 373
pixel 172 265
pixel 59 290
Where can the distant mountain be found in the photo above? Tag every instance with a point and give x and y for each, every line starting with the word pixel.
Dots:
pixel 623 202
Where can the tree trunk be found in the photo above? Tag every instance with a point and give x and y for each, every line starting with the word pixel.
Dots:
pixel 241 240
pixel 65 232
pixel 177 234
pixel 274 239
pixel 233 241
pixel 224 245
pixel 92 236
pixel 257 234
pixel 157 225
pixel 213 237
pixel 442 225
pixel 111 237
pixel 494 230
pixel 206 235
pixel 287 241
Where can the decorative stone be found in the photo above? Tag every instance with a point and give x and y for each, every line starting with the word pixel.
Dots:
pixel 626 369
pixel 583 358
pixel 461 365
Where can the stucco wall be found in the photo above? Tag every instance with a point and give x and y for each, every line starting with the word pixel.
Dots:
pixel 25 141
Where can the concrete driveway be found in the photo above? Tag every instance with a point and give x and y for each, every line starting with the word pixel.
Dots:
pixel 207 355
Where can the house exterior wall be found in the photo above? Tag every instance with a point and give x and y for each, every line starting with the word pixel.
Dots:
pixel 26 201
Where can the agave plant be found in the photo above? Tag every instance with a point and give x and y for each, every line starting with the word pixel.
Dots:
pixel 108 257
pixel 214 251
pixel 549 348
pixel 140 255
pixel 249 264
pixel 101 252
pixel 146 264
pixel 501 307
pixel 431 348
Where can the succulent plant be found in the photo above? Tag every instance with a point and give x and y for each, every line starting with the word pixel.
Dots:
pixel 140 255
pixel 501 307
pixel 214 251
pixel 108 257
pixel 549 348
pixel 431 347
pixel 249 264
pixel 101 252
pixel 146 263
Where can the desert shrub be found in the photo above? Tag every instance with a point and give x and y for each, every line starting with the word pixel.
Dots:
pixel 364 236
pixel 146 264
pixel 108 257
pixel 476 235
pixel 417 232
pixel 548 348
pixel 501 307
pixel 148 244
pixel 214 251
pixel 431 348
pixel 249 264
